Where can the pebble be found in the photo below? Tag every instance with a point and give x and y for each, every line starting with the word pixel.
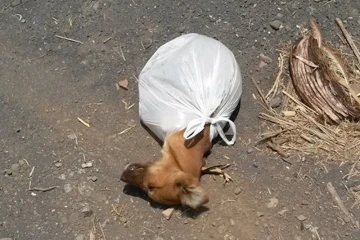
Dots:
pixel 232 222
pixel 265 58
pixel 262 64
pixel 168 213
pixel 305 202
pixel 7 172
pixel 279 15
pixel 15 167
pixel 94 178
pixel 87 212
pixel 282 212
pixel 58 164
pixel 237 191
pixel 250 150
pixel 275 102
pixel 181 29
pixel 16 3
pixel 186 221
pixel 301 217
pixel 276 24
pixel 123 219
pixel 22 162
pixel 85 190
pixel 67 188
pixel 221 229
pixel 229 237
pixel 62 176
pixel 347 219
pixel 80 237
pixel 87 165
pixel 147 42
pixel 259 214
pixel 273 202
pixel 96 6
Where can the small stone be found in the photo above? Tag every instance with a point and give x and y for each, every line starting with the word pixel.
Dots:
pixel 273 202
pixel 282 212
pixel 15 167
pixel 87 212
pixel 259 214
pixel 237 191
pixel 123 219
pixel 87 165
pixel 186 221
pixel 221 229
pixel 147 42
pixel 232 222
pixel 58 164
pixel 168 213
pixel 96 6
pixel 67 188
pixel 181 29
pixel 62 176
pixel 305 202
pixel 265 58
pixel 250 150
pixel 279 15
pixel 262 64
pixel 16 3
pixel 347 219
pixel 124 84
pixel 23 21
pixel 301 218
pixel 85 189
pixel 275 102
pixel 7 172
pixel 80 237
pixel 276 24
pixel 94 178
pixel 22 162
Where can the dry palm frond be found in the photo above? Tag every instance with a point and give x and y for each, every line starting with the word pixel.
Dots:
pixel 320 78
pixel 319 87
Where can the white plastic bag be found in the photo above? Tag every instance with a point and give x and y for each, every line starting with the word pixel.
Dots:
pixel 189 82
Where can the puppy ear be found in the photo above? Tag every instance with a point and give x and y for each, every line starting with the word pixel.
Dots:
pixel 190 194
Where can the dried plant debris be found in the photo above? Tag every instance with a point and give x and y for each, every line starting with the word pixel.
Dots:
pixel 320 105
pixel 321 79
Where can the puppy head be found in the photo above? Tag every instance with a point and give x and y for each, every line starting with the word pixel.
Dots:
pixel 166 184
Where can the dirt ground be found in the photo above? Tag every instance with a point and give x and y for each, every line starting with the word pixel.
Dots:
pixel 46 83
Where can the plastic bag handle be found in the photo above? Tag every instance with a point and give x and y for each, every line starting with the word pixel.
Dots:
pixel 197 125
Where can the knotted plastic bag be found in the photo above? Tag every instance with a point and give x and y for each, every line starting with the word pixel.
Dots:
pixel 189 82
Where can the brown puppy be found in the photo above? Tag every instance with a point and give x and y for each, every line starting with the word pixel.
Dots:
pixel 174 179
